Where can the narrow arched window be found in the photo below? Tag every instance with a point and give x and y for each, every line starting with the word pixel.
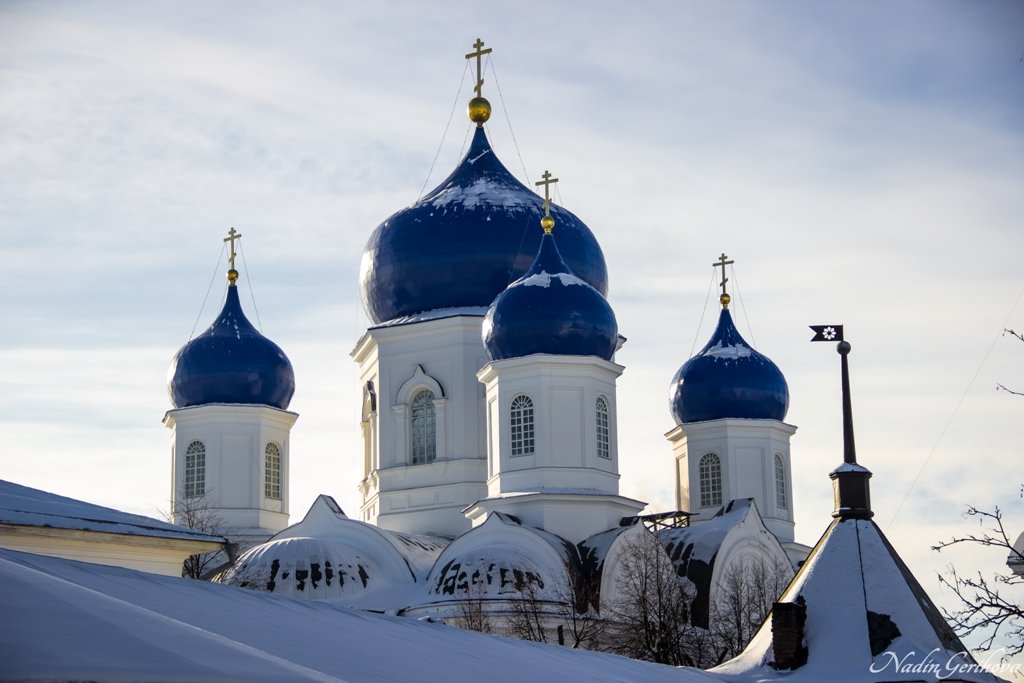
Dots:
pixel 423 427
pixel 601 412
pixel 710 480
pixel 780 483
pixel 272 471
pixel 195 469
pixel 521 425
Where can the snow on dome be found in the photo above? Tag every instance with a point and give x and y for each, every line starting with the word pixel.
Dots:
pixel 550 310
pixel 304 567
pixel 501 559
pixel 351 558
pixel 231 362
pixel 728 378
pixel 463 242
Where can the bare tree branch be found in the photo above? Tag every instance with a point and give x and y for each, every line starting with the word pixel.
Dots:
pixel 197 513
pixel 984 610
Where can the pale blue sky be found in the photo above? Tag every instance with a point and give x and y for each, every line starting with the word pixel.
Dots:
pixel 862 162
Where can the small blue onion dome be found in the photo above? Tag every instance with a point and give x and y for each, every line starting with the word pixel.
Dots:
pixel 231 362
pixel 550 310
pixel 728 378
pixel 462 243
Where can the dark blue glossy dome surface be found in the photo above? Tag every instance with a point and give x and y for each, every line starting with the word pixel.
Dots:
pixel 727 378
pixel 550 310
pixel 231 362
pixel 463 243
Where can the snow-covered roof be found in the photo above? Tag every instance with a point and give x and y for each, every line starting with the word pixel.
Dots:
pixel 867 619
pixel 68 620
pixel 500 558
pixel 29 507
pixel 694 549
pixel 330 556
pixel 434 314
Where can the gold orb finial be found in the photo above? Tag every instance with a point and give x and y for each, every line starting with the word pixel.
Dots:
pixel 724 300
pixel 479 110
pixel 548 223
pixel 232 277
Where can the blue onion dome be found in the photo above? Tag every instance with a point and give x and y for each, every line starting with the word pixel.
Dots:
pixel 231 362
pixel 550 310
pixel 465 241
pixel 728 378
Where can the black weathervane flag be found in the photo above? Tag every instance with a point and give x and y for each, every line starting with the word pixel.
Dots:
pixel 827 333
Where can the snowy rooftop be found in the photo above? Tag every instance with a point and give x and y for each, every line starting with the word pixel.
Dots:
pixel 24 506
pixel 76 621
pixel 867 619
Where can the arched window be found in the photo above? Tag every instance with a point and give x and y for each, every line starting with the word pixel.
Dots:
pixel 424 427
pixel 780 483
pixel 602 428
pixel 272 471
pixel 521 422
pixel 195 469
pixel 710 480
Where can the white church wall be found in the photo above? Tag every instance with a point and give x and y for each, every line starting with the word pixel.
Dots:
pixel 234 438
pixel 442 355
pixel 747 452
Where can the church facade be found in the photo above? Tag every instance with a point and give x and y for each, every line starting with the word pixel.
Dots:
pixel 489 426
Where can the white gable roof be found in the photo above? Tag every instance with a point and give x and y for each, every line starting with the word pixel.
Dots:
pixel 29 507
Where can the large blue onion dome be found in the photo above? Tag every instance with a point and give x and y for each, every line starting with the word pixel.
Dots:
pixel 728 378
pixel 231 362
pixel 465 241
pixel 550 310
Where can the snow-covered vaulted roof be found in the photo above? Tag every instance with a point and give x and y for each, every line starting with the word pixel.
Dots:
pixel 867 619
pixel 329 556
pixel 29 507
pixel 74 621
pixel 500 559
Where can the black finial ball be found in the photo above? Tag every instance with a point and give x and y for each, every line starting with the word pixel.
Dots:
pixel 843 347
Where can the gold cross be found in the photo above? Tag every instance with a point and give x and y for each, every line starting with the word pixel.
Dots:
pixel 722 263
pixel 232 236
pixel 478 54
pixel 547 183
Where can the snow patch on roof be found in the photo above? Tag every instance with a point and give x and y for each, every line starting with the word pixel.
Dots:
pixel 435 314
pixel 543 279
pixel 484 192
pixel 728 352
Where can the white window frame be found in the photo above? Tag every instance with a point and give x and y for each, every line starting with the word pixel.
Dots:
pixel 195 469
pixel 781 499
pixel 522 433
pixel 272 471
pixel 710 477
pixel 603 428
pixel 422 436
